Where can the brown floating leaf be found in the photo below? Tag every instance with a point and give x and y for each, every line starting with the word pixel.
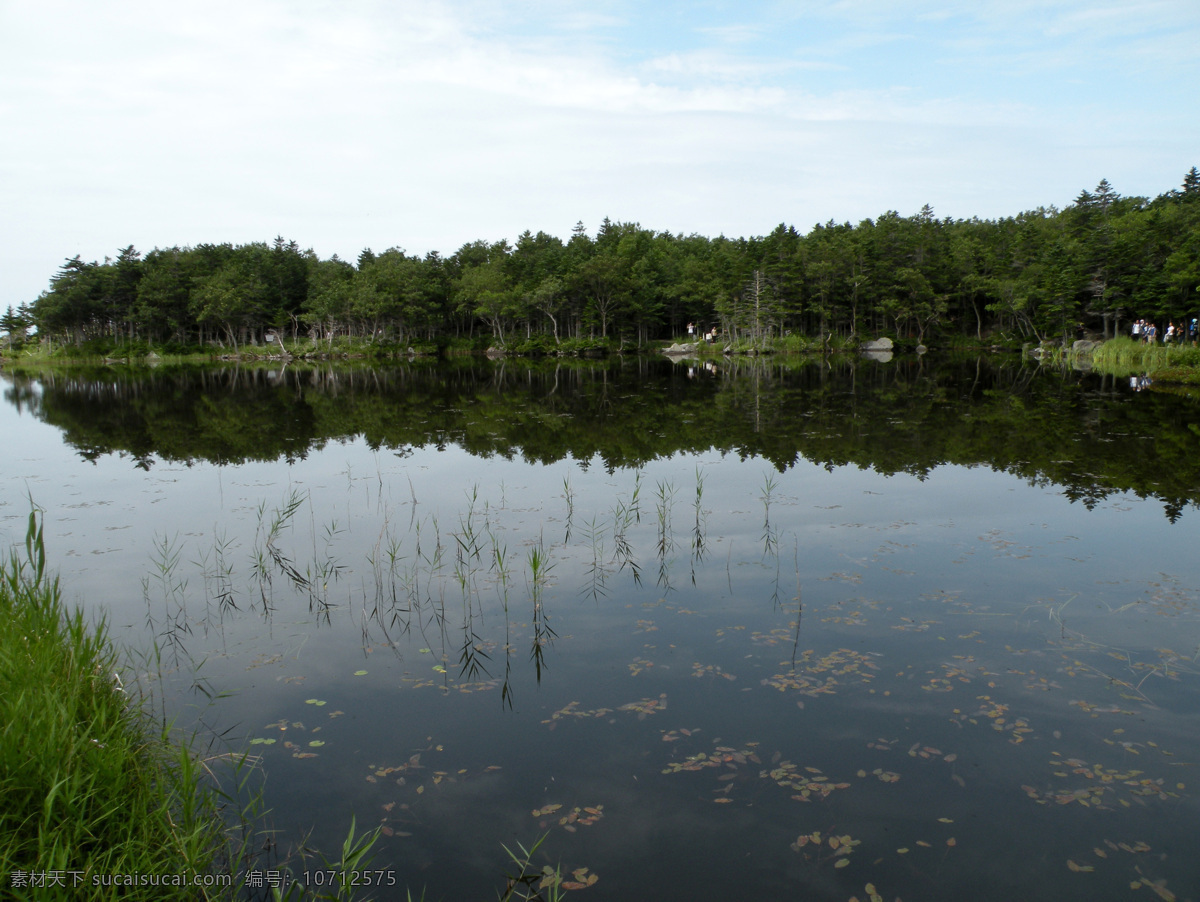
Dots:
pixel 1160 890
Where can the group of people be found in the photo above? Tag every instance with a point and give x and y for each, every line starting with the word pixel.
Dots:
pixel 710 336
pixel 1148 332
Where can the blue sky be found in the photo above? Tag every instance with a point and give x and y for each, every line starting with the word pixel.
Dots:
pixel 426 125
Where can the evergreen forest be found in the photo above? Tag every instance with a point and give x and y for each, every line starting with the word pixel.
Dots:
pixel 1043 275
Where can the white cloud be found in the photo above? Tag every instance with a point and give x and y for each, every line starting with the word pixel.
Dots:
pixel 428 124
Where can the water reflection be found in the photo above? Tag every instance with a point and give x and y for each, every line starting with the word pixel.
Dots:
pixel 785 653
pixel 1077 430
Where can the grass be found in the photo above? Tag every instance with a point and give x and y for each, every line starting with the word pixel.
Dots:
pixel 107 350
pixel 1124 356
pixel 90 791
pixel 97 799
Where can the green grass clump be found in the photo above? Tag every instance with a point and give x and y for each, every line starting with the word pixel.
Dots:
pixel 1124 356
pixel 89 790
pixel 1125 353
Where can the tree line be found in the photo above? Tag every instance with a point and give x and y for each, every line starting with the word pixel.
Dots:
pixel 1041 275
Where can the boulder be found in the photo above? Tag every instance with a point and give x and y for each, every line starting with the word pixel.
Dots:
pixel 680 350
pixel 879 344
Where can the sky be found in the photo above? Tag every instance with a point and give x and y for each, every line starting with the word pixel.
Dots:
pixel 427 124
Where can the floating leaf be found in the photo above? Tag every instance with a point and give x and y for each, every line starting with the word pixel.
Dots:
pixel 316 744
pixel 841 862
pixel 360 673
pixel 314 701
pixel 1160 890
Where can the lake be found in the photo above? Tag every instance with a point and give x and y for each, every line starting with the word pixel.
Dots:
pixel 923 629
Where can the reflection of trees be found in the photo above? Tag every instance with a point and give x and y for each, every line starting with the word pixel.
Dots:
pixel 1078 431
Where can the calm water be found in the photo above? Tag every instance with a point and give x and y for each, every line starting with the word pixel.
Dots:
pixel 735 633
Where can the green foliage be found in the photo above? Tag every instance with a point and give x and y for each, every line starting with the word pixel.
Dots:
pixel 1126 355
pixel 529 883
pixel 539 345
pixel 93 789
pixel 1038 275
pixel 586 347
pixel 90 787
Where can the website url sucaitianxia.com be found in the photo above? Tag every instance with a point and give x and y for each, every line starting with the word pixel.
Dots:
pixel 67 879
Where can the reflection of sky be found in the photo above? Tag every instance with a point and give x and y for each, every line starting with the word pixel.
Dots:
pixel 103 516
